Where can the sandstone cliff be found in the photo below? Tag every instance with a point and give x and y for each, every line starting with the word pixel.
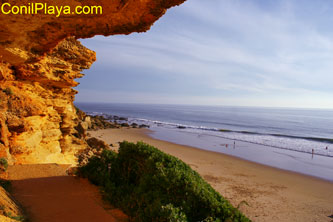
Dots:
pixel 40 58
pixel 9 210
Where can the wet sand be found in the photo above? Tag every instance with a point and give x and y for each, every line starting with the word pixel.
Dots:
pixel 272 194
pixel 300 162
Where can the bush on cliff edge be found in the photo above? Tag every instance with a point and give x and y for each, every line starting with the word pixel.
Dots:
pixel 150 185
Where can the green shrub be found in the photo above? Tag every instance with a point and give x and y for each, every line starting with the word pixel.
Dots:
pixel 18 218
pixel 6 184
pixel 3 164
pixel 150 185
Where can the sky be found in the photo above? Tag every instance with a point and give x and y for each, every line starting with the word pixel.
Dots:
pixel 270 53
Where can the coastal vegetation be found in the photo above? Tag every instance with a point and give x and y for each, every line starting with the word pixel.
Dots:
pixel 3 168
pixel 150 185
pixel 3 165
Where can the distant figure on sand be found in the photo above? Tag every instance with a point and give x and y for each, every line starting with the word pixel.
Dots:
pixel 234 144
pixel 312 152
pixel 326 147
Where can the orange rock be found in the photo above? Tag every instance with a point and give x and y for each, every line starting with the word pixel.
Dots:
pixel 40 59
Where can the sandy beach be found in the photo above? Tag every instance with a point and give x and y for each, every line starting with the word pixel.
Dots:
pixel 271 194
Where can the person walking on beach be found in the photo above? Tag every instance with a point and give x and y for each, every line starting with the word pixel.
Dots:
pixel 312 153
pixel 234 144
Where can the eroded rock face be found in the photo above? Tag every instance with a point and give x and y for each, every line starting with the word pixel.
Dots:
pixel 39 61
pixel 8 207
pixel 27 37
pixel 37 116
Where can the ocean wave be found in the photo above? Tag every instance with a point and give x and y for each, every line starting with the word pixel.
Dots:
pixel 285 143
pixel 303 144
pixel 281 141
pixel 183 126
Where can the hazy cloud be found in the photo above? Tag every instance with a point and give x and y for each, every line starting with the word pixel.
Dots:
pixel 221 52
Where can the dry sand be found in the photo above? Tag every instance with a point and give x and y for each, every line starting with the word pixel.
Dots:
pixel 48 194
pixel 272 194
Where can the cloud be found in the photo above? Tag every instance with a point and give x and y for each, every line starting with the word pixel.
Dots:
pixel 229 47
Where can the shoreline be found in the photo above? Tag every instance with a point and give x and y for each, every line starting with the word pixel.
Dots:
pixel 290 160
pixel 272 194
pixel 149 132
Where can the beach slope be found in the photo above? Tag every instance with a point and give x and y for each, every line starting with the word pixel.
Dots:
pixel 263 193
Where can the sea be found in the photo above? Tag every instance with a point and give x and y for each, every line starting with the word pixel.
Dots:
pixel 299 140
